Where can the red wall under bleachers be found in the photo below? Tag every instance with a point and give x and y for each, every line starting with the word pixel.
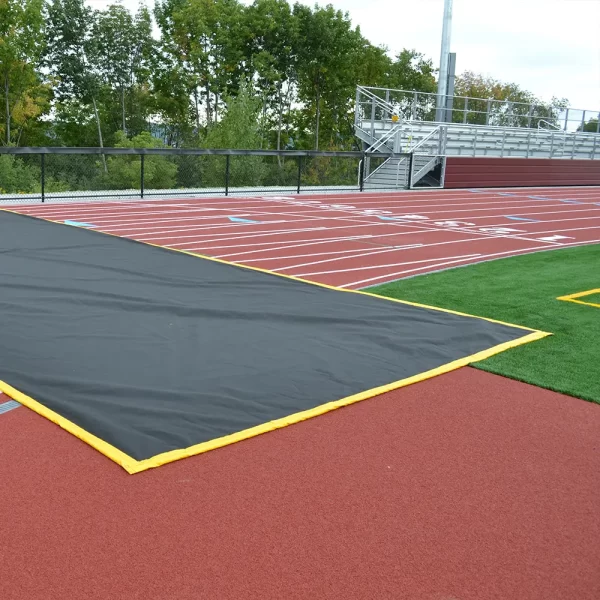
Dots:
pixel 519 172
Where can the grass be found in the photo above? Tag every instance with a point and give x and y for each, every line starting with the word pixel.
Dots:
pixel 523 290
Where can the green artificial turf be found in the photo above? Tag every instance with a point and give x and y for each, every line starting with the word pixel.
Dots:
pixel 523 290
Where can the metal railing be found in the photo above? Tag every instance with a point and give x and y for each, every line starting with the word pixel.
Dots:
pixel 390 135
pixel 402 167
pixel 33 174
pixel 436 133
pixel 478 140
pixel 373 102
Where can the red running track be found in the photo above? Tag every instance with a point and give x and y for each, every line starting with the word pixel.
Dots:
pixel 354 240
pixel 466 486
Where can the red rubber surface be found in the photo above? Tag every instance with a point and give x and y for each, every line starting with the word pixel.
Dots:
pixel 466 486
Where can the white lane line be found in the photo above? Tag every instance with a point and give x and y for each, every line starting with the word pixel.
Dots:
pixel 414 262
pixel 540 222
pixel 550 212
pixel 301 243
pixel 562 245
pixel 421 246
pixel 419 200
pixel 357 255
pixel 244 236
pixel 196 239
pixel 139 225
pixel 397 275
pixel 169 232
pixel 433 226
pixel 280 258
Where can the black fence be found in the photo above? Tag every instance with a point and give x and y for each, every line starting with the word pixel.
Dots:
pixel 44 174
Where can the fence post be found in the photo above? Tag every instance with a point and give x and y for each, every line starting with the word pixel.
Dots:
pixel 299 175
pixel 411 158
pixel 373 106
pixel 227 161
pixel 43 175
pixel 361 176
pixel 142 175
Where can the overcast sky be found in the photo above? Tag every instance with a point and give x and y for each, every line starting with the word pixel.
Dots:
pixel 550 47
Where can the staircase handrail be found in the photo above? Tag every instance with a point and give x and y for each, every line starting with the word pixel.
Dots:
pixel 552 125
pixel 382 103
pixel 398 171
pixel 382 141
pixel 426 138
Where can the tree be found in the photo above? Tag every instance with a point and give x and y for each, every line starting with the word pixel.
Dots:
pixel 122 48
pixel 327 55
pixel 374 66
pixel 123 172
pixel 272 49
pixel 69 50
pixel 591 126
pixel 492 102
pixel 204 39
pixel 25 97
pixel 412 71
pixel 239 128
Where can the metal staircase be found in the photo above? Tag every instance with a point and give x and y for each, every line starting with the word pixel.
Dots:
pixel 488 128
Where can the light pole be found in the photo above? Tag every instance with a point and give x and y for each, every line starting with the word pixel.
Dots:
pixel 440 114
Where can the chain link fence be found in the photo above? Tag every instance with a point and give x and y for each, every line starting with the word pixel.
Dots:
pixel 58 174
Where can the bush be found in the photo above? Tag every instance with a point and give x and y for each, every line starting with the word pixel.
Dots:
pixel 17 177
pixel 123 171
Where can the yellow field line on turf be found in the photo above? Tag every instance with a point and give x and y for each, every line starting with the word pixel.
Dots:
pixel 573 297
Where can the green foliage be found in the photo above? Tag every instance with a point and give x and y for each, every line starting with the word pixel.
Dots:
pixel 327 75
pixel 122 49
pixel 412 71
pixel 239 129
pixel 329 170
pixel 18 177
pixel 513 108
pixel 74 76
pixel 590 126
pixel 123 171
pixel 23 95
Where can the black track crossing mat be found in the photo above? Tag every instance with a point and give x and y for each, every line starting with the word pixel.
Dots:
pixel 150 354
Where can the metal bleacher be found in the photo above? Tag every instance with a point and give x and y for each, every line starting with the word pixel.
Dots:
pixel 390 122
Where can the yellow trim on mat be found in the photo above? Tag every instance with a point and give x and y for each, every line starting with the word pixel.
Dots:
pixel 131 465
pixel 573 298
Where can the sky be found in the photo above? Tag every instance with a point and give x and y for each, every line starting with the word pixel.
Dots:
pixel 549 47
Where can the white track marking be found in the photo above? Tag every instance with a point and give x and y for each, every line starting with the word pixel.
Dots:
pixel 413 262
pixel 243 236
pixel 397 275
pixel 441 264
pixel 402 233
pixel 301 243
pixel 235 257
pixel 357 255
